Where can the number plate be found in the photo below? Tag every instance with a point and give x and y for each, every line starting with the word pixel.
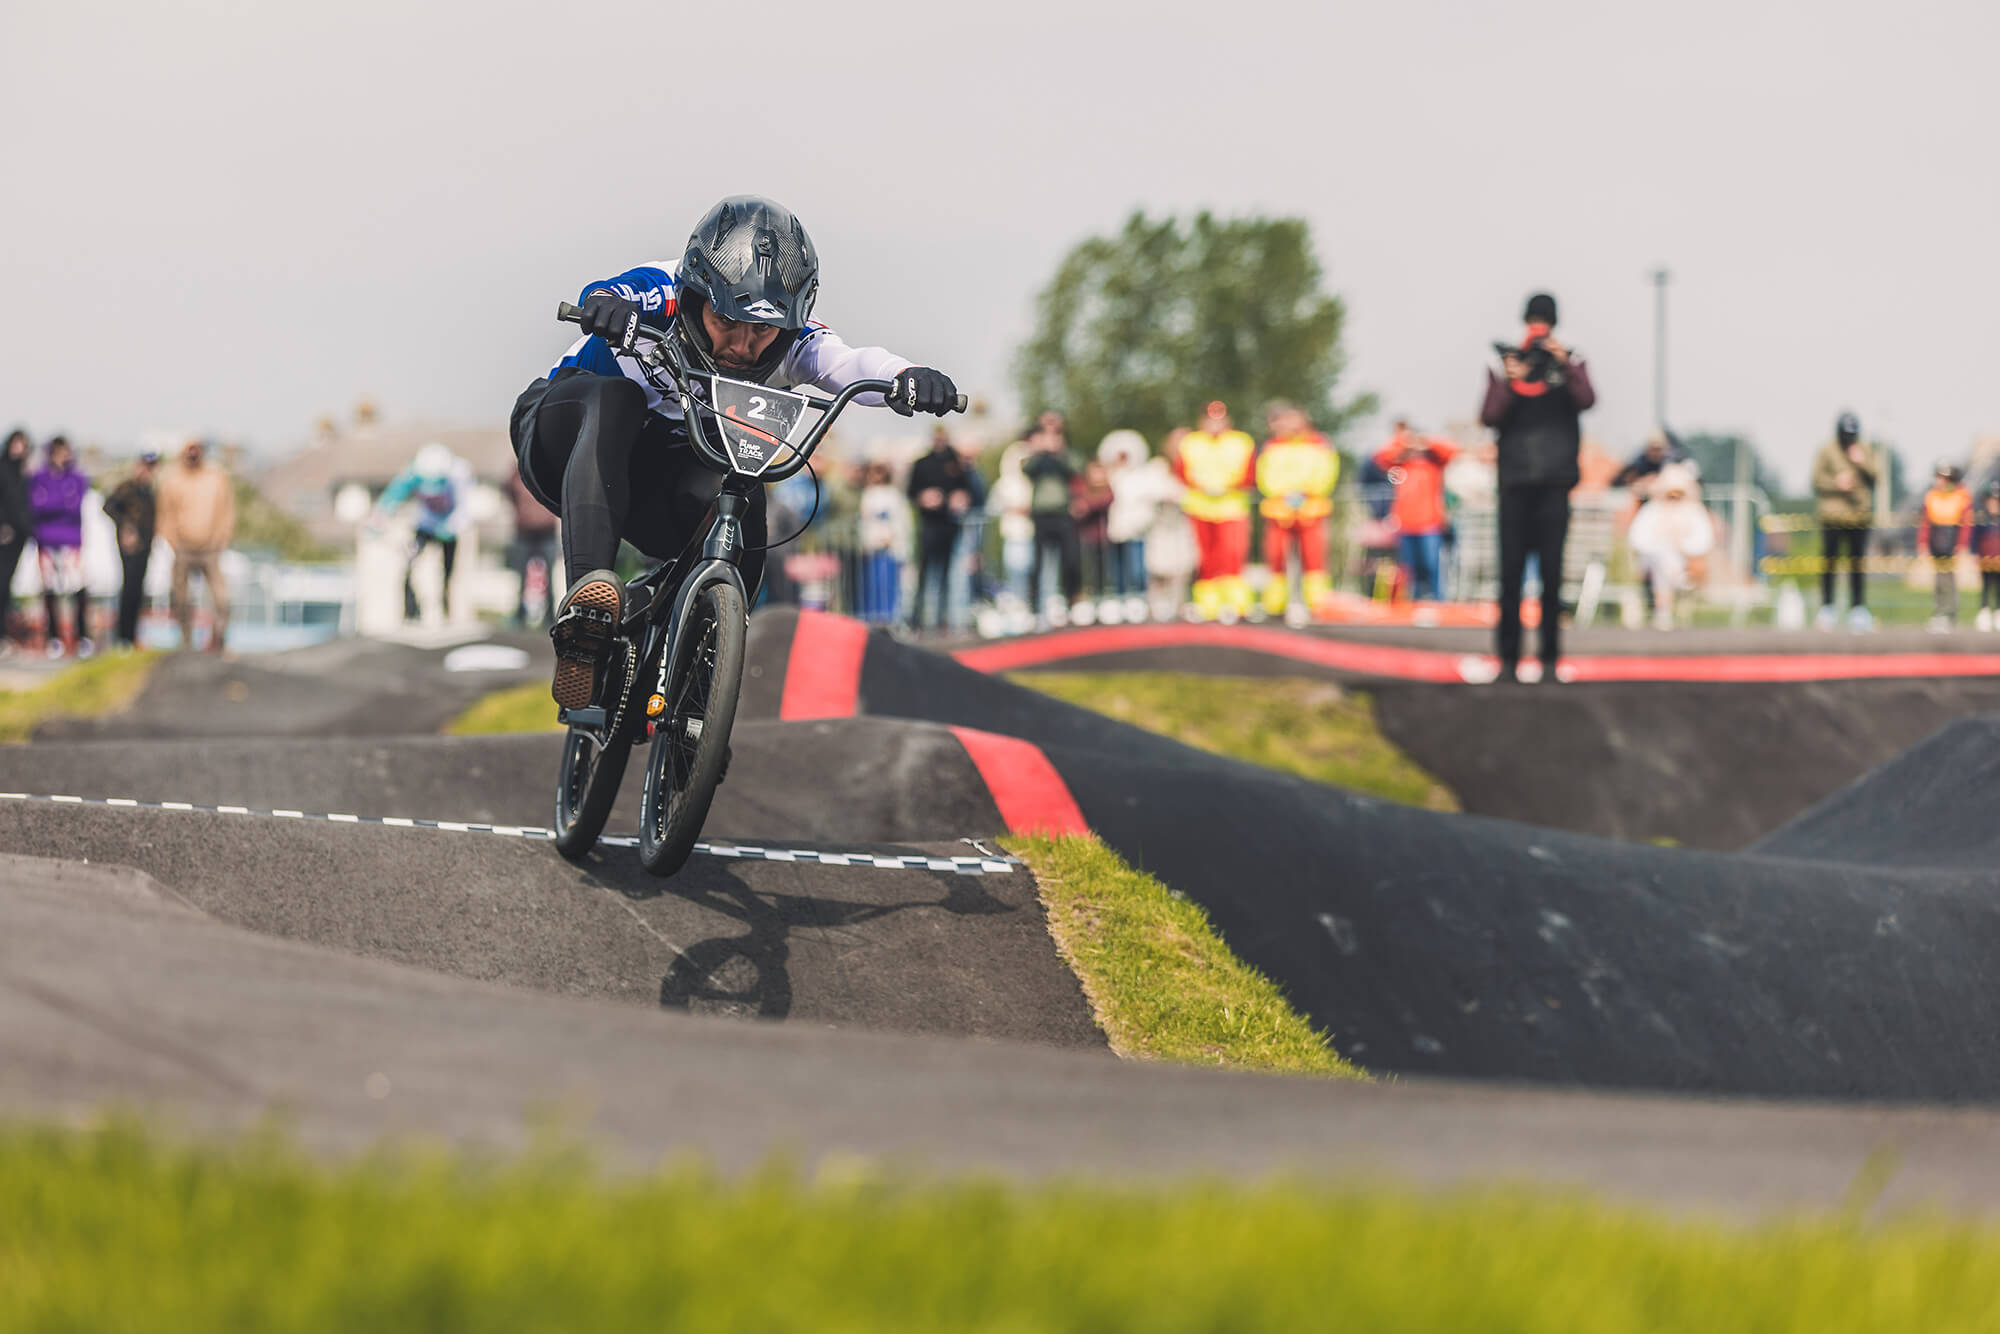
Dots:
pixel 757 423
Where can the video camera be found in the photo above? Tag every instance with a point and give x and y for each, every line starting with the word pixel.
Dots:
pixel 1543 368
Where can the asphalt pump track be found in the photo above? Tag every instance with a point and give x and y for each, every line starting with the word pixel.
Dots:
pixel 371 977
pixel 1741 732
pixel 1806 966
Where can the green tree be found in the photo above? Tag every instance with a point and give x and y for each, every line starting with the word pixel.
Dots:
pixel 1141 328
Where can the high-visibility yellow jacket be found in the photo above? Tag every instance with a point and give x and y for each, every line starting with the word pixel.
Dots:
pixel 1296 473
pixel 1217 470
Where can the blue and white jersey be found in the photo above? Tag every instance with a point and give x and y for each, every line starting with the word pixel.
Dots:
pixel 818 357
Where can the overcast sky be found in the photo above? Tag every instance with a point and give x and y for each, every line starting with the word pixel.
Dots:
pixel 240 216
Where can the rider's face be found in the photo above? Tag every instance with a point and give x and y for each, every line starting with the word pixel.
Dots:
pixel 737 346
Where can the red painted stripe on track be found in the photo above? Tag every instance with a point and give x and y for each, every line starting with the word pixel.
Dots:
pixel 1416 664
pixel 1410 664
pixel 823 673
pixel 1031 795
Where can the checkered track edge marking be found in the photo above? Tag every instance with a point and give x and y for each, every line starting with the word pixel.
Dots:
pixel 987 865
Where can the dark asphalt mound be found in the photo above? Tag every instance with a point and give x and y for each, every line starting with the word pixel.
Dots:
pixel 906 949
pixel 1702 764
pixel 1932 806
pixel 115 994
pixel 847 780
pixel 1710 765
pixel 345 687
pixel 1461 945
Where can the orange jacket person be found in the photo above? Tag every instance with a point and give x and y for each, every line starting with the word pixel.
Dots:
pixel 1216 462
pixel 1946 524
pixel 1415 464
pixel 1296 473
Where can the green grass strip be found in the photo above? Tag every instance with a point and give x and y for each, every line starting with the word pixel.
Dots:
pixel 106 684
pixel 1162 982
pixel 116 1231
pixel 1311 728
pixel 525 708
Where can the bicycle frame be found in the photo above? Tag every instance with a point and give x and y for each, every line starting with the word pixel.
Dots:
pixel 721 554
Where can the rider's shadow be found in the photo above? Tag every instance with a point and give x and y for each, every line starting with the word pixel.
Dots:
pixel 749 975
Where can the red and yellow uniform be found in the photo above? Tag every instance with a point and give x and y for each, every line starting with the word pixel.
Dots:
pixel 1217 469
pixel 1296 474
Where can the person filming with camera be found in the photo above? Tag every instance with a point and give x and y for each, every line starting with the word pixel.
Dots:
pixel 1533 407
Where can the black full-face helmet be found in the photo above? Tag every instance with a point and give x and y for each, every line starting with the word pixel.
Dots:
pixel 752 261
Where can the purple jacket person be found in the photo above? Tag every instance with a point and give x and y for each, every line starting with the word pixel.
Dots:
pixel 56 493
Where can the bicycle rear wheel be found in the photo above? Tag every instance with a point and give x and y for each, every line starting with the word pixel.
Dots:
pixel 593 765
pixel 691 743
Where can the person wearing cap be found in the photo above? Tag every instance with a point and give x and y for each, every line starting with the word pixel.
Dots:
pixel 1534 407
pixel 437 482
pixel 133 507
pixel 1843 479
pixel 197 517
pixel 1943 530
pixel 1215 463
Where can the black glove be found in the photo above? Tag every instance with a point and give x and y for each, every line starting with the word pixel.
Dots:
pixel 612 318
pixel 921 389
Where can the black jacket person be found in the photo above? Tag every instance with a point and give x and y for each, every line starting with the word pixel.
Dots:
pixel 1534 411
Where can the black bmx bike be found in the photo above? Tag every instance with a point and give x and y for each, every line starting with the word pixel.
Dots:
pixel 676 662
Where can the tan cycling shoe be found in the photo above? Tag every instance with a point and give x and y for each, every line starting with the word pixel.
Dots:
pixel 586 623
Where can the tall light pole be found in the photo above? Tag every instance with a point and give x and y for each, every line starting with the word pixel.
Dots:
pixel 1660 278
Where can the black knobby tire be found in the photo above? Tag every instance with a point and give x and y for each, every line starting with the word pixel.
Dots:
pixel 587 781
pixel 682 771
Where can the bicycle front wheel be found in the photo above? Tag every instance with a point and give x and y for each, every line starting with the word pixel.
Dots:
pixel 691 743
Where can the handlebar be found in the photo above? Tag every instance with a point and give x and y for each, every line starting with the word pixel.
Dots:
pixel 657 358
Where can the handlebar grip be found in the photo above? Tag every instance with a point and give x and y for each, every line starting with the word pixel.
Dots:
pixel 960 403
pixel 568 313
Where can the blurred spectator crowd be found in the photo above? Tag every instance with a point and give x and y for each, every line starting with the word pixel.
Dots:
pixel 61 532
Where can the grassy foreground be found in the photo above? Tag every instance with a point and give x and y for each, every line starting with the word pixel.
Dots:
pixel 1310 728
pixel 525 708
pixel 1162 983
pixel 103 685
pixel 113 1230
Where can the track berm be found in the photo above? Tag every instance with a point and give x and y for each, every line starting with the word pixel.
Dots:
pixel 249 961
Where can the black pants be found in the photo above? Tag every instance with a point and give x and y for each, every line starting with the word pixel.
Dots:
pixel 80 627
pixel 936 542
pixel 1989 588
pixel 1057 533
pixel 589 447
pixel 10 560
pixel 449 546
pixel 1533 517
pixel 1832 542
pixel 132 592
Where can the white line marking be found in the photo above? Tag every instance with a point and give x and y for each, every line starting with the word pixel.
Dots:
pixel 883 861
